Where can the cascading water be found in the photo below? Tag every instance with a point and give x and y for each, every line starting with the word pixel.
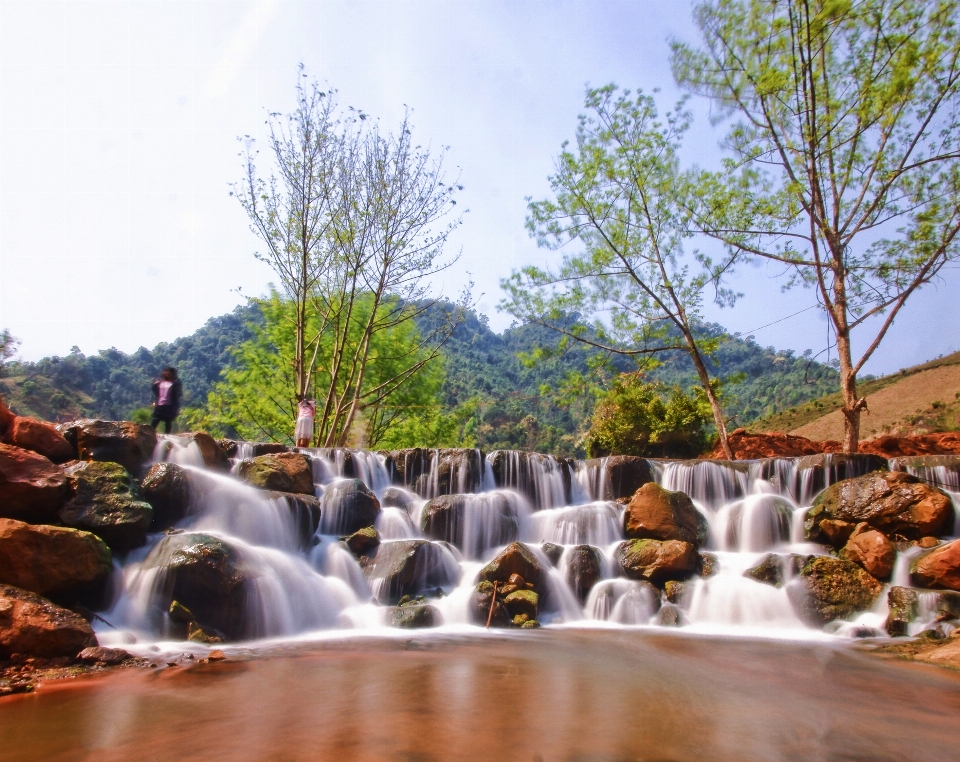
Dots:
pixel 296 575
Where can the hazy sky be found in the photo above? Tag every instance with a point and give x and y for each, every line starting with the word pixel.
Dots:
pixel 118 140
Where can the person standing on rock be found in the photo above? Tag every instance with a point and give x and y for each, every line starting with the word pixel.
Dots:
pixel 167 390
pixel 303 432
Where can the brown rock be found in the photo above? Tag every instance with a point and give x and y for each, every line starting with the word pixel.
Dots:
pixel 769 570
pixel 214 456
pixel 832 588
pixel 516 558
pixel 32 625
pixel 31 487
pixel 363 541
pixel 872 550
pixel 55 562
pixel 896 504
pixel 940 568
pixel 166 487
pixel 619 476
pixel 124 442
pixel 408 567
pixel 101 655
pixel 658 561
pixel 106 501
pixel 658 514
pixel 283 472
pixel 6 417
pixel 40 437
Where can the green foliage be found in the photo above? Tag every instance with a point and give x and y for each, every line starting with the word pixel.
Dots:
pixel 636 417
pixel 844 127
pixel 256 398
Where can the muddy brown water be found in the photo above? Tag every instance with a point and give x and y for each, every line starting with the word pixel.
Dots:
pixel 577 695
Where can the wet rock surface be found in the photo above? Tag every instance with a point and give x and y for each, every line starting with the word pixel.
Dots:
pixel 348 505
pixel 415 615
pixel 32 488
pixel 655 513
pixel 363 542
pixel 166 487
pixel 30 624
pixel 406 567
pixel 832 588
pixel 124 442
pixel 657 561
pixel 106 501
pixel 56 562
pixel 444 518
pixel 281 472
pixel 896 504
pixel 623 475
pixel 769 571
pixel 206 575
pixel 517 559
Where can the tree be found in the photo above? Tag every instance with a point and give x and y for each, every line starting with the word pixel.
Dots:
pixel 634 417
pixel 8 349
pixel 254 398
pixel 355 228
pixel 619 193
pixel 292 215
pixel 845 152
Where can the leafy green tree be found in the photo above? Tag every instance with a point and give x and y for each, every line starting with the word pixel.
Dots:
pixel 619 193
pixel 845 122
pixel 255 398
pixel 635 417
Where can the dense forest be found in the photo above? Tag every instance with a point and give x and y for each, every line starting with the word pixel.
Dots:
pixel 515 401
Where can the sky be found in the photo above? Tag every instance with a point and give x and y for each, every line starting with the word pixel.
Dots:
pixel 119 127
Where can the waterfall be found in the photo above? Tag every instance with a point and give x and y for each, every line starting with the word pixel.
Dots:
pixel 288 579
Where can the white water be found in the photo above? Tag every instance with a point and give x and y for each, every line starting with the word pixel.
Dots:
pixel 297 585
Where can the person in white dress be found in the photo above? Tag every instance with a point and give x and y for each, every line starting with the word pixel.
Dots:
pixel 303 432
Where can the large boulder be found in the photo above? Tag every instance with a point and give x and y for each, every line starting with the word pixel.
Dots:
pixel 282 472
pixel 940 568
pixel 206 451
pixel 655 513
pixel 348 505
pixel 40 437
pixel 522 605
pixel 207 576
pixel 484 607
pixel 167 488
pixel 516 558
pixel 545 480
pixel 814 472
pixel 897 504
pixel 106 501
pixel 432 472
pixel 584 570
pixel 124 442
pixel 831 588
pixel 408 567
pixel 872 550
pixel 33 625
pixel 493 521
pixel 232 448
pixel 306 513
pixel 31 487
pixel 657 561
pixel 56 562
pixel 618 476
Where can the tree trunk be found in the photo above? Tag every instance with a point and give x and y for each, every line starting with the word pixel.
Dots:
pixel 852 405
pixel 714 402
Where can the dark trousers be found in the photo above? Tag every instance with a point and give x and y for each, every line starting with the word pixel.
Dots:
pixel 165 413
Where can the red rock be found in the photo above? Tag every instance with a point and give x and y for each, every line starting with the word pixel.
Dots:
pixel 124 442
pixel 32 625
pixel 40 437
pixel 872 550
pixel 32 488
pixel 6 417
pixel 99 654
pixel 52 561
pixel 940 568
pixel 747 446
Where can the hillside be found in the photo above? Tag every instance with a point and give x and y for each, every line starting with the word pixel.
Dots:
pixel 516 401
pixel 917 400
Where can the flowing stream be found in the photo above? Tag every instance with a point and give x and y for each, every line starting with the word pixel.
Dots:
pixel 302 587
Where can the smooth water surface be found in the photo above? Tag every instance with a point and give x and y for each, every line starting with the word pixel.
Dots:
pixel 591 695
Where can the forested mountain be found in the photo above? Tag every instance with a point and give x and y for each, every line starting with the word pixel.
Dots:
pixel 516 401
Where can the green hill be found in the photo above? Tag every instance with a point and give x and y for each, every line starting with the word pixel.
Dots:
pixel 517 405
